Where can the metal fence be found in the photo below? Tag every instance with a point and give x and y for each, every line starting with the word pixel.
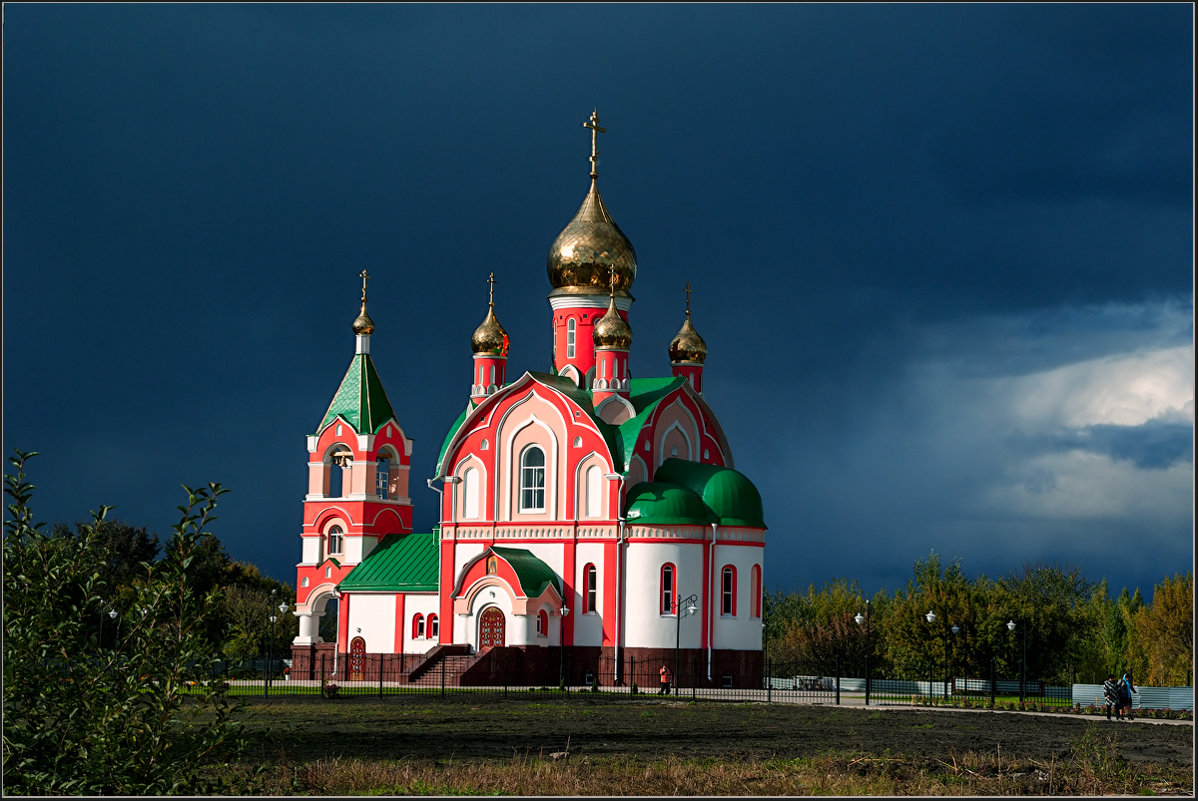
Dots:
pixel 506 671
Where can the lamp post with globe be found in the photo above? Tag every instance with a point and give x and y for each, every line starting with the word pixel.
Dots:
pixel 860 618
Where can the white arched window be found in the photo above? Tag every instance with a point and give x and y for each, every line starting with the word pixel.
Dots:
pixel 335 541
pixel 570 339
pixel 594 491
pixel 532 479
pixel 470 493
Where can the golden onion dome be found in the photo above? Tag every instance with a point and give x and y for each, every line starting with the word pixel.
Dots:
pixel 687 345
pixel 612 331
pixel 490 336
pixel 363 324
pixel 588 249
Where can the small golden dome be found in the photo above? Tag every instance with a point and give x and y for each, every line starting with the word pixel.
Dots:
pixel 687 345
pixel 363 324
pixel 612 331
pixel 490 336
pixel 585 252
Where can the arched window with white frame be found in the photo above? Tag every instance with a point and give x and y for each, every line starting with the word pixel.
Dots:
pixel 434 627
pixel 728 591
pixel 418 627
pixel 570 338
pixel 532 479
pixel 669 588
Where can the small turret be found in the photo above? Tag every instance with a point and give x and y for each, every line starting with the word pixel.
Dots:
pixel 687 350
pixel 490 345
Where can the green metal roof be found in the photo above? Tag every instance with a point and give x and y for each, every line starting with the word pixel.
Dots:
pixel 728 493
pixel 360 399
pixel 534 574
pixel 453 429
pixel 399 563
pixel 659 503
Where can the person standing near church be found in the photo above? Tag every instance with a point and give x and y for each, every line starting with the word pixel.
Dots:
pixel 665 681
pixel 1127 687
pixel 1111 689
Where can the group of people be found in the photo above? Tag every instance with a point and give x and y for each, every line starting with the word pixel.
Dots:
pixel 1118 695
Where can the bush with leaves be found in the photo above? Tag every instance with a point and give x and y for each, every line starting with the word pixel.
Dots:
pixel 136 712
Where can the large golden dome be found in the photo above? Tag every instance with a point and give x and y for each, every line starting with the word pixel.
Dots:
pixel 612 331
pixel 582 257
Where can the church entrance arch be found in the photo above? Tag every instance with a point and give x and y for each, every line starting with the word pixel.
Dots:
pixel 357 659
pixel 491 628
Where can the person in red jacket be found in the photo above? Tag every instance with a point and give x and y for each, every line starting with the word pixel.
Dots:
pixel 665 681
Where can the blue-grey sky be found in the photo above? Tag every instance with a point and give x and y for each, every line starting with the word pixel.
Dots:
pixel 942 254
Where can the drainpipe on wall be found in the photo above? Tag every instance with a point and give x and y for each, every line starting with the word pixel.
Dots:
pixel 710 600
pixel 619 571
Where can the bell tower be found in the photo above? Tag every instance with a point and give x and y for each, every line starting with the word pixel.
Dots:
pixel 358 464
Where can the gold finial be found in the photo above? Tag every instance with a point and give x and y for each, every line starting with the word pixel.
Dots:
pixel 613 281
pixel 687 289
pixel 491 281
pixel 363 324
pixel 593 124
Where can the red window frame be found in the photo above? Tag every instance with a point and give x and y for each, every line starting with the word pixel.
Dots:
pixel 590 584
pixel 756 590
pixel 543 623
pixel 728 590
pixel 434 627
pixel 669 588
pixel 418 627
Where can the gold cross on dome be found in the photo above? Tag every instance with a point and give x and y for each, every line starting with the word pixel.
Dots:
pixel 491 281
pixel 687 289
pixel 593 124
pixel 364 275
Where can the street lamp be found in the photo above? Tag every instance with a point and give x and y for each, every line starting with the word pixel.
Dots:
pixel 931 618
pixel 860 618
pixel 1022 662
pixel 561 665
pixel 690 601
pixel 111 616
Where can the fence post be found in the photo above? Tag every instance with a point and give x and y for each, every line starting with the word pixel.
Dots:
pixel 838 679
pixel 769 684
pixel 993 683
pixel 693 671
pixel 381 674
pixel 443 660
pixel 505 673
pixel 322 666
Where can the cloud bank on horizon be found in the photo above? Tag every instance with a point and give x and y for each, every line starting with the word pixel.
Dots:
pixel 943 255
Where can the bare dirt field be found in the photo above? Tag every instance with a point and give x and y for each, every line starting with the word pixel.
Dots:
pixel 305 730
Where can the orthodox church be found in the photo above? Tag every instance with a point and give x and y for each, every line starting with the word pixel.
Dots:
pixel 588 518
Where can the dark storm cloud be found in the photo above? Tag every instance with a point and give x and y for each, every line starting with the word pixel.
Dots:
pixel 1155 445
pixel 934 248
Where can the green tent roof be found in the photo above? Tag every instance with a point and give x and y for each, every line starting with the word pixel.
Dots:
pixel 662 504
pixel 399 563
pixel 534 574
pixel 360 399
pixel 728 493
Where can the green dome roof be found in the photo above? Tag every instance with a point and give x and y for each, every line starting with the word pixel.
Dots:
pixel 659 503
pixel 727 493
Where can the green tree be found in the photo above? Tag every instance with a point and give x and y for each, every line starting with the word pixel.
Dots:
pixel 132 715
pixel 1165 631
